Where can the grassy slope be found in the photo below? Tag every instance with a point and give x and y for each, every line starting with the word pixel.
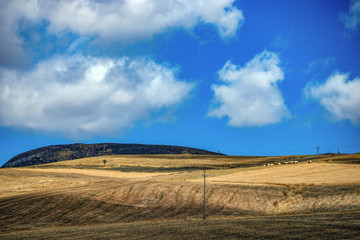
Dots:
pixel 84 191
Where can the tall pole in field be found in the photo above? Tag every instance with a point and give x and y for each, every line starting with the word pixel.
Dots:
pixel 204 175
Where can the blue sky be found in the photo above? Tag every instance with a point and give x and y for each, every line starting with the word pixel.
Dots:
pixel 240 77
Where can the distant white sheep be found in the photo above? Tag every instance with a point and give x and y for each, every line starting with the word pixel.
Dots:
pixel 309 161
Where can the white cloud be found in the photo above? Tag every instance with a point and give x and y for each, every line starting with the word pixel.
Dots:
pixel 83 96
pixel 250 95
pixel 134 18
pixel 11 51
pixel 126 20
pixel 339 96
pixel 352 19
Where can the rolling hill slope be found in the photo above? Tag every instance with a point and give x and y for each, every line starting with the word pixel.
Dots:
pixel 56 153
pixel 84 192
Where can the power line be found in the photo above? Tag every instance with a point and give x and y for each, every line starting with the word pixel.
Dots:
pixel 294 151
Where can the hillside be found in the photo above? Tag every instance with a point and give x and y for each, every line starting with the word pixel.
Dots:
pixel 155 192
pixel 57 153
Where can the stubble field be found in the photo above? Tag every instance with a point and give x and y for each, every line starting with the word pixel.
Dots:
pixel 161 197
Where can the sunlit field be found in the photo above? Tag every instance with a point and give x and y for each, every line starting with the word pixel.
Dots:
pixel 162 197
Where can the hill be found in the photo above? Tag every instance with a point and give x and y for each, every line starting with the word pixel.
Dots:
pixel 57 153
pixel 161 197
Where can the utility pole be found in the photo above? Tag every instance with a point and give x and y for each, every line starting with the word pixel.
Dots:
pixel 317 150
pixel 204 175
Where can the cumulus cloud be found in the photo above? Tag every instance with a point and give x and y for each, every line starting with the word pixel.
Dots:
pixel 351 19
pixel 339 96
pixel 249 95
pixel 126 20
pixel 133 18
pixel 83 96
pixel 11 50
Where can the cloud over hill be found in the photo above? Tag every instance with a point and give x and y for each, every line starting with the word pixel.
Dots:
pixel 85 96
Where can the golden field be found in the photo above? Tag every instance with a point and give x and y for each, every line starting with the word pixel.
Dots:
pixel 161 197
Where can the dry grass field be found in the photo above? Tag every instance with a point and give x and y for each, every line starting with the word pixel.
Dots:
pixel 161 197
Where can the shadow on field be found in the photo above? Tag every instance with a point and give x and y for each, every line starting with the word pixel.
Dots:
pixel 315 226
